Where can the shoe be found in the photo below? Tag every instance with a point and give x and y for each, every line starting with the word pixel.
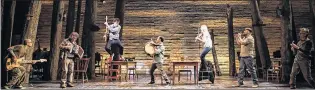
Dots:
pixel 212 81
pixel 292 87
pixel 70 85
pixel 255 86
pixel 7 87
pixel 168 83
pixel 20 87
pixel 63 86
pixel 238 85
pixel 152 82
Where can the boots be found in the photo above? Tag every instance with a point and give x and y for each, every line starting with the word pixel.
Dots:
pixel 152 82
pixel 70 85
pixel 292 87
pixel 63 85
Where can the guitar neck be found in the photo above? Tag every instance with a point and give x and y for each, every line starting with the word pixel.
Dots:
pixel 29 61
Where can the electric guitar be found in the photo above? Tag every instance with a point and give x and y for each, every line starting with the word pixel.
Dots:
pixel 10 64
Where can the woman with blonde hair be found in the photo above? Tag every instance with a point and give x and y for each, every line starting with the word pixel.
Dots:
pixel 204 37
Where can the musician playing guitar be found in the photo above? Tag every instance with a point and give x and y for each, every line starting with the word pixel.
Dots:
pixel 16 53
pixel 69 49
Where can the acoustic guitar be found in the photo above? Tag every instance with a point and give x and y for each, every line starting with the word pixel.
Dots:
pixel 10 64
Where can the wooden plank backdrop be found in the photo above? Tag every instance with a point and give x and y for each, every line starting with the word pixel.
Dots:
pixel 178 22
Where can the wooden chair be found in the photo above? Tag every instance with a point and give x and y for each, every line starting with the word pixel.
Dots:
pixel 132 70
pixel 105 65
pixel 187 71
pixel 274 71
pixel 98 59
pixel 184 70
pixel 81 66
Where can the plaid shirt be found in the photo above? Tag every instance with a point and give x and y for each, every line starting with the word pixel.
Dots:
pixel 68 52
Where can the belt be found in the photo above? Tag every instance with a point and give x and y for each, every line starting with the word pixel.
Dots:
pixel 245 56
pixel 113 39
pixel 70 57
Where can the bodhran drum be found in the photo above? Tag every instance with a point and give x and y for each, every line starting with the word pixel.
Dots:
pixel 149 48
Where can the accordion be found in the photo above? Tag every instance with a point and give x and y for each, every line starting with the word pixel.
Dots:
pixel 78 51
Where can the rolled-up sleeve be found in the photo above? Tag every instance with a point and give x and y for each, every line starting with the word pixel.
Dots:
pixel 113 29
pixel 159 50
pixel 246 41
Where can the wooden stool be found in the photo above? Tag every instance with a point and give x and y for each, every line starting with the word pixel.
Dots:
pixel 113 70
pixel 188 71
pixel 134 74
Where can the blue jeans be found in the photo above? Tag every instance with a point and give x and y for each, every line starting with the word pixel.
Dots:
pixel 204 52
pixel 249 63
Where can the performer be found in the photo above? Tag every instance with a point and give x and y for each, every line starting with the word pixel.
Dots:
pixel 18 73
pixel 246 41
pixel 158 57
pixel 68 47
pixel 204 37
pixel 302 61
pixel 113 37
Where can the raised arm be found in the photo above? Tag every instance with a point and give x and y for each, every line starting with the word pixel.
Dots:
pixel 64 45
pixel 246 41
pixel 159 50
pixel 114 29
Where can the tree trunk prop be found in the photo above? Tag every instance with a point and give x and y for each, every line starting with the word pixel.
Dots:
pixel 55 39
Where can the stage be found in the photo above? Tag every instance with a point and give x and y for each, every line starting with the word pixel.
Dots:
pixel 221 82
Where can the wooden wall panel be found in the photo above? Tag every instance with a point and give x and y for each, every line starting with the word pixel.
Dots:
pixel 178 22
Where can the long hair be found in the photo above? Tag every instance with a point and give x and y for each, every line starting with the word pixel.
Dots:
pixel 204 30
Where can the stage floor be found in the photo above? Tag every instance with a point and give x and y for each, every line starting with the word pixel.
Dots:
pixel 221 82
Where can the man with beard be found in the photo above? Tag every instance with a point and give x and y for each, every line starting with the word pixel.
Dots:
pixel 67 65
pixel 246 41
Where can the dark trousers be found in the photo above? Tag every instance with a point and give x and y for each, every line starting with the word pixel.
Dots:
pixel 158 66
pixel 111 43
pixel 249 63
pixel 305 67
pixel 18 76
pixel 204 52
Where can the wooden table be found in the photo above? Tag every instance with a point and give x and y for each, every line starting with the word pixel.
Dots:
pixel 123 63
pixel 186 63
